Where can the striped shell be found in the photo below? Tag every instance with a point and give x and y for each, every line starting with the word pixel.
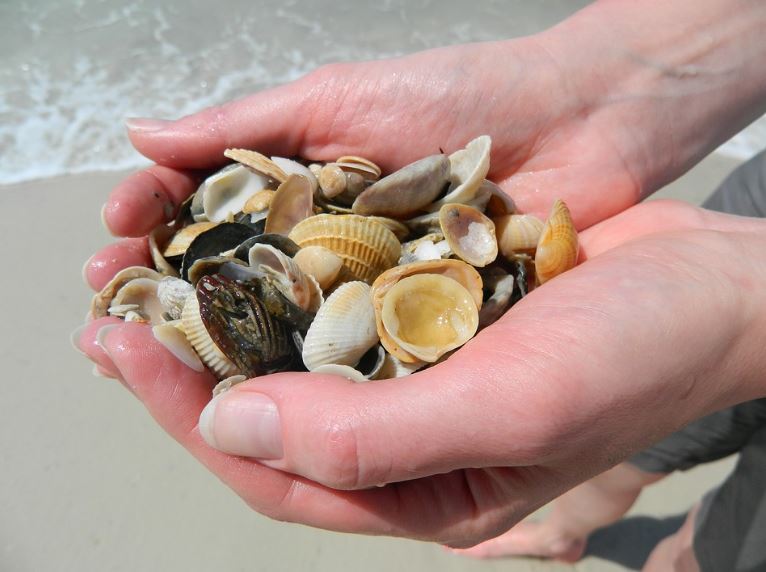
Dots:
pixel 558 247
pixel 196 332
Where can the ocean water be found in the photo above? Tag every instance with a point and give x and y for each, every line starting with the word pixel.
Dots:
pixel 72 70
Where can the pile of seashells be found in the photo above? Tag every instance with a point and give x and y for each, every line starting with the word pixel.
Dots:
pixel 276 265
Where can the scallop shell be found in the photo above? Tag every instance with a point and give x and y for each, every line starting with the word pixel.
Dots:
pixel 99 305
pixel 207 350
pixel 406 191
pixel 468 167
pixel 292 203
pixel 469 233
pixel 465 274
pixel 518 234
pixel 558 247
pixel 257 162
pixel 428 315
pixel 343 329
pixel 366 247
pixel 224 193
pixel 319 262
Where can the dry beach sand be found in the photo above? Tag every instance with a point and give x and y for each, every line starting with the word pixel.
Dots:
pixel 88 481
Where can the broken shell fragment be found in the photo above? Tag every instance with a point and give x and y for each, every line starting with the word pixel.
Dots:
pixel 158 238
pixel 558 247
pixel 428 315
pixel 518 234
pixel 226 192
pixel 181 240
pixel 406 191
pixel 172 294
pixel 469 233
pixel 292 203
pixel 321 263
pixel 99 305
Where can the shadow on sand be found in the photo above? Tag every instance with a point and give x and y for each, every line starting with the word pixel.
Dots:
pixel 630 541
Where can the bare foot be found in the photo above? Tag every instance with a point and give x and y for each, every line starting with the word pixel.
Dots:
pixel 529 539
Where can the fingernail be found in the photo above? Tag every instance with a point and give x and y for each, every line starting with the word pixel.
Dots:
pixel 101 335
pixel 85 271
pixel 103 220
pixel 243 423
pixel 74 338
pixel 97 372
pixel 145 124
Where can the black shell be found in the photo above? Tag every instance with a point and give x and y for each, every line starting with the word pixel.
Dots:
pixel 278 241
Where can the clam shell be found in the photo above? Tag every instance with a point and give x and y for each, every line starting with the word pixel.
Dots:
pixel 424 224
pixel 181 240
pixel 213 242
pixel 406 191
pixel 158 238
pixel 499 203
pixel 366 247
pixel 257 162
pixel 518 234
pixel 332 180
pixel 465 274
pixel 259 202
pixel 468 167
pixel 428 315
pixel 172 294
pixel 558 247
pixel 343 329
pixel 226 192
pixel 176 342
pixel 207 350
pixel 319 262
pixel 278 241
pixel 295 168
pixel 141 292
pixel 99 305
pixel 292 203
pixel 364 167
pixel 295 283
pixel 469 233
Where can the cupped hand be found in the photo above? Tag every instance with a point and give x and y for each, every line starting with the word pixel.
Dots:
pixel 661 323
pixel 550 139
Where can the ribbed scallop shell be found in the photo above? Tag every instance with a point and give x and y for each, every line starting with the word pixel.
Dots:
pixel 468 167
pixel 558 247
pixel 366 247
pixel 518 234
pixel 343 329
pixel 257 162
pixel 210 354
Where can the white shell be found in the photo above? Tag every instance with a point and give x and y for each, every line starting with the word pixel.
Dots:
pixel 226 384
pixel 227 191
pixel 343 329
pixel 172 293
pixel 468 167
pixel 140 292
pixel 203 344
pixel 342 371
pixel 295 283
pixel 319 262
pixel 177 344
pixel 294 168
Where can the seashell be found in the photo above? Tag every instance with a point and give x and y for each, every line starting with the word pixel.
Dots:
pixel 469 233
pixel 428 315
pixel 278 241
pixel 325 206
pixel 468 167
pixel 224 193
pixel 226 384
pixel 321 263
pixel 158 239
pixel 393 368
pixel 181 240
pixel 406 191
pixel 499 285
pixel 99 305
pixel 431 246
pixel 465 274
pixel 343 329
pixel 557 248
pixel 215 265
pixel 292 203
pixel 294 283
pixel 207 350
pixel 355 184
pixel 258 202
pixel 368 368
pixel 257 162
pixel 366 247
pixel 365 167
pixel 295 168
pixel 500 203
pixel 332 180
pixel 141 292
pixel 176 342
pixel 518 234
pixel 424 224
pixel 397 227
pixel 242 328
pixel 341 371
pixel 172 294
pixel 213 242
pixel 315 168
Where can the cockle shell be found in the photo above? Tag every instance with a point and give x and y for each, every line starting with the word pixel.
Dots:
pixel 259 202
pixel 257 162
pixel 364 167
pixel 319 262
pixel 207 350
pixel 397 227
pixel 292 203
pixel 99 305
pixel 469 233
pixel 518 234
pixel 465 274
pixel 406 191
pixel 343 329
pixel 295 283
pixel 428 315
pixel 226 192
pixel 171 335
pixel 558 247
pixel 140 295
pixel 366 247
pixel 172 294
pixel 468 167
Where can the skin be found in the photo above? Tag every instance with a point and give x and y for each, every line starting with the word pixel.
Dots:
pixel 660 324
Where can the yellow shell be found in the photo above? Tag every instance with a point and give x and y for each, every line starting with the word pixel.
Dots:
pixel 332 180
pixel 428 315
pixel 259 202
pixel 292 202
pixel 319 262
pixel 558 247
pixel 464 274
pixel 518 234
pixel 364 167
pixel 181 240
pixel 257 162
pixel 366 247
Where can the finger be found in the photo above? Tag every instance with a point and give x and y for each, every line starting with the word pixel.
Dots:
pixel 102 266
pixel 147 199
pixel 441 508
pixel 88 340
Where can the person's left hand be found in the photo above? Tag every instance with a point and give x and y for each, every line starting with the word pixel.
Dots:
pixel 662 323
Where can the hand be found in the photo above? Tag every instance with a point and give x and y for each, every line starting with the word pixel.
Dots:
pixel 662 323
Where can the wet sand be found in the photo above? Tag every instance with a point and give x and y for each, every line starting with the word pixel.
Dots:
pixel 89 482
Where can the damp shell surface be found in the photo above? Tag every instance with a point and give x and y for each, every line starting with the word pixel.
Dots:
pixel 558 246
